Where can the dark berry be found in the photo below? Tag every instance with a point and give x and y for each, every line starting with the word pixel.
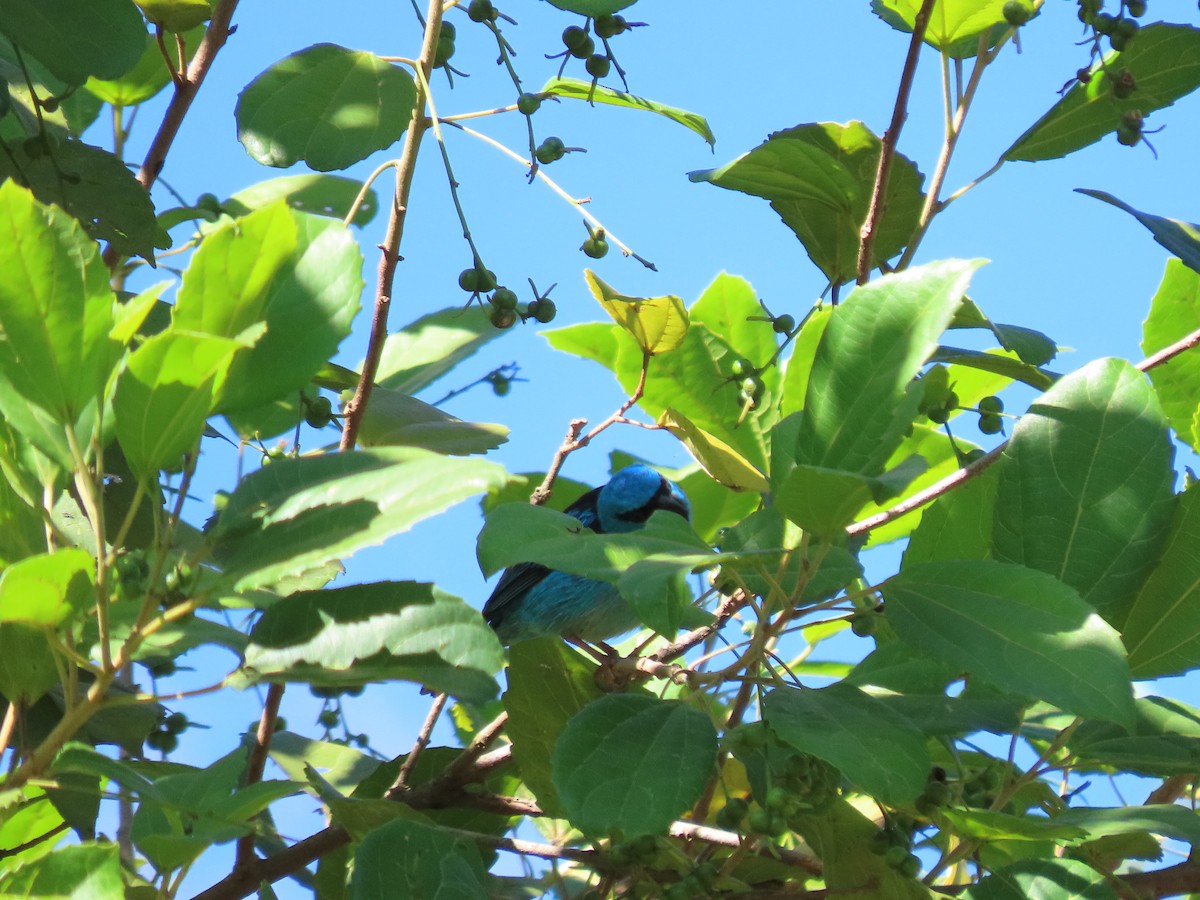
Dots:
pixel 585 49
pixel 598 65
pixel 1017 13
pixel 545 310
pixel 991 404
pixel 989 424
pixel 481 11
pixel 610 25
pixel 504 299
pixel 175 723
pixel 501 386
pixel 574 37
pixel 162 741
pixel 319 412
pixel 328 718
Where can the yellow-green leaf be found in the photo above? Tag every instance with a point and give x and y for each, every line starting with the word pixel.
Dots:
pixel 658 324
pixel 718 459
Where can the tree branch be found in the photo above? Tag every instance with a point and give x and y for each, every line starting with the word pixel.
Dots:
pixel 888 150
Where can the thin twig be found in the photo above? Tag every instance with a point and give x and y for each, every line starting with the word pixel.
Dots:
pixel 256 761
pixel 887 150
pixel 410 762
pixel 574 442
pixel 215 35
pixel 7 726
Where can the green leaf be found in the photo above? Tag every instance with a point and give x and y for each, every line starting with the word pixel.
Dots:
pixel 996 362
pixel 573 89
pixel 298 273
pixel 800 363
pixel 342 767
pixel 824 501
pixel 989 825
pixel 958 525
pixel 1165 819
pixel 81 758
pixel 1030 346
pixel 1165 740
pixel 423 351
pixel 1162 630
pixel 325 105
pixel 1046 879
pixel 165 396
pixel 27 669
pixel 48 589
pixel 819 178
pixel 176 16
pixel 548 683
pixel 518 532
pixel 658 324
pixel 874 746
pixel 56 309
pixel 377 632
pixel 299 513
pixel 408 859
pixel 75 39
pixel 84 870
pixel 320 195
pixel 616 746
pixel 1179 237
pixel 955 26
pixel 1164 61
pixel 724 464
pixel 398 420
pixel 592 7
pixel 104 196
pixel 1018 629
pixel 1086 486
pixel 147 77
pixel 859 400
pixel 1174 314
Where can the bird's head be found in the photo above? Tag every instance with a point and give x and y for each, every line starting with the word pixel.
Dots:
pixel 626 502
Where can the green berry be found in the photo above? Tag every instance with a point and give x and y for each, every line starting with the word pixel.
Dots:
pixel 939 416
pixel 175 723
pixel 911 867
pixel 1017 13
pixel 895 856
pixel 481 11
pixel 545 311
pixel 991 404
pixel 1104 23
pixel 162 741
pixel 164 669
pixel 732 813
pixel 528 104
pixel 783 324
pixel 609 25
pixel 504 299
pixel 951 401
pixel 1129 128
pixel 501 386
pixel 595 247
pixel 466 280
pixel 1136 8
pixel 863 624
pixel 50 104
pixel 444 49
pixel 574 37
pixel 989 424
pixel 502 318
pixel 973 455
pixel 324 692
pixel 550 150
pixel 598 65
pixel 209 202
pixel 1124 84
pixel 319 412
pixel 743 367
pixel 328 718
pixel 585 49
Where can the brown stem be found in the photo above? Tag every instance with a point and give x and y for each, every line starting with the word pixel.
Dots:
pixel 1166 354
pixel 574 442
pixel 186 88
pixel 256 762
pixel 887 151
pixel 7 725
pixel 390 248
pixel 410 762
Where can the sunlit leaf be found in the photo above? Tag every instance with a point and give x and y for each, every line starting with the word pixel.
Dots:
pixel 398 420
pixel 658 324
pixel 48 589
pixel 1174 314
pixel 574 89
pixel 955 26
pixel 718 459
pixel 1179 237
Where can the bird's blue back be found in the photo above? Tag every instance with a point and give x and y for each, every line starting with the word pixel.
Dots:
pixel 531 600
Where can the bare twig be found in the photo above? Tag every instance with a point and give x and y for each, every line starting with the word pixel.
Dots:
pixel 1166 354
pixel 256 761
pixel 888 149
pixel 574 442
pixel 410 762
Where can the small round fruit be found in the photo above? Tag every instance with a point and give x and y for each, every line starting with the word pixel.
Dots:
pixel 573 37
pixel 175 723
pixel 1136 8
pixel 596 248
pixel 552 149
pixel 989 424
pixel 863 624
pixel 319 412
pixel 1105 23
pixel 939 416
pixel 50 104
pixel 991 404
pixel 328 718
pixel 609 25
pixel 545 311
pixel 504 299
pixel 1124 84
pixel 1017 13
pixel 752 385
pixel 164 669
pixel 783 324
pixel 598 65
pixel 502 318
pixel 467 281
pixel 481 11
pixel 732 813
pixel 973 455
pixel 1129 128
pixel 501 386
pixel 743 367
pixel 911 867
pixel 585 49
pixel 528 104
pixel 209 202
pixel 444 50
pixel 162 741
pixel 895 856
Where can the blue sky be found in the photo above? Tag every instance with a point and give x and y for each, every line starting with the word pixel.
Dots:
pixel 1062 263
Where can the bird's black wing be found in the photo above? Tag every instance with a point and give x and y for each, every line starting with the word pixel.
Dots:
pixel 519 579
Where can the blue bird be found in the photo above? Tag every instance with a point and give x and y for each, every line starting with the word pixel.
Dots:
pixel 531 600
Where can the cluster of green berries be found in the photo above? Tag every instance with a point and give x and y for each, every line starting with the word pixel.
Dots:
pixel 580 45
pixel 165 738
pixel 1017 12
pixel 939 401
pixel 503 310
pixel 750 385
pixel 1120 29
pixel 894 844
pixel 445 45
